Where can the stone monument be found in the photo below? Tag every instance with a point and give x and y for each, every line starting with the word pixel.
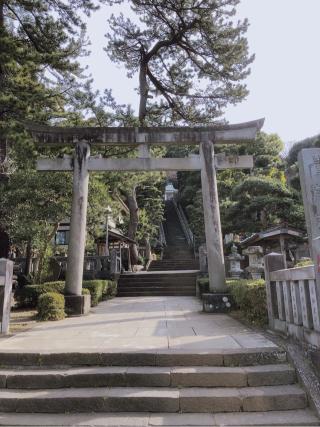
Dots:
pixel 309 169
pixel 6 273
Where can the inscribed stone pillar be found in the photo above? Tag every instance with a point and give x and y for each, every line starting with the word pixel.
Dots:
pixel 309 169
pixel 272 262
pixel 216 268
pixel 78 219
pixel 6 274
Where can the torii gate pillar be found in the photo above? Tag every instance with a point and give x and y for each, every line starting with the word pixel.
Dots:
pixel 77 240
pixel 215 256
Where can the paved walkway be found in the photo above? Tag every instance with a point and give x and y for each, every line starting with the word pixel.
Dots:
pixel 135 324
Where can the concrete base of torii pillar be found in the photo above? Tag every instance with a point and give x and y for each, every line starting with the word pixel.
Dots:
pixel 215 256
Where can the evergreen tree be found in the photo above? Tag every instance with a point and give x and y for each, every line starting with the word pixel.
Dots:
pixel 40 43
pixel 191 57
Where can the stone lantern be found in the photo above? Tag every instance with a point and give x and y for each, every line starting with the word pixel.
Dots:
pixel 234 261
pixel 256 265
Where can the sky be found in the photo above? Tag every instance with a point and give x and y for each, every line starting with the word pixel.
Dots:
pixel 284 84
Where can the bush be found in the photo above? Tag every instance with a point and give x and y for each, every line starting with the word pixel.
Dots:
pixel 203 284
pixel 251 298
pixel 100 290
pixel 304 262
pixel 51 306
pixel 28 295
pixel 96 289
pixel 110 290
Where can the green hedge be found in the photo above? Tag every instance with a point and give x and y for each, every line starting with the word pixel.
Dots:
pixel 251 298
pixel 99 290
pixel 28 295
pixel 51 306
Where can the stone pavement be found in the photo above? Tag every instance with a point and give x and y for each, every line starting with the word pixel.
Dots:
pixel 135 324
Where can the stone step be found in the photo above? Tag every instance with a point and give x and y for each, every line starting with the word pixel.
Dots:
pixel 168 284
pixel 188 264
pixel 173 263
pixel 158 289
pixel 142 399
pixel 300 417
pixel 167 358
pixel 153 293
pixel 173 268
pixel 157 278
pixel 162 280
pixel 114 376
pixel 161 275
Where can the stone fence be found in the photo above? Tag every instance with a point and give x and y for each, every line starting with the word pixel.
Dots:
pixel 95 267
pixel 293 304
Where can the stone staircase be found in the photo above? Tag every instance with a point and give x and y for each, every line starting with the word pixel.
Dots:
pixel 177 254
pixel 176 382
pixel 174 275
pixel 177 283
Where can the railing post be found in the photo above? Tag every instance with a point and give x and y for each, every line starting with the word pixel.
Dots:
pixel 6 274
pixel 272 262
pixel 113 262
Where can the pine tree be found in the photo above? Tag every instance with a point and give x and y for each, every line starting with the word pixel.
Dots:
pixel 191 56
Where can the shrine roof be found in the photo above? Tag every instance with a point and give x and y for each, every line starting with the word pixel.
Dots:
pixel 219 134
pixel 272 233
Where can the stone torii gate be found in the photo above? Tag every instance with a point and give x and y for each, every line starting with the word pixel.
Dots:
pixel 81 163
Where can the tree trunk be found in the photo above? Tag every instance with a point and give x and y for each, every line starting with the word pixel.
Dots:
pixel 148 252
pixel 133 224
pixel 1 14
pixel 43 253
pixel 27 269
pixel 144 90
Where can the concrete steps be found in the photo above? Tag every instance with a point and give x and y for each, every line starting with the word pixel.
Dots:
pixel 157 284
pixel 174 265
pixel 118 376
pixel 153 399
pixel 299 417
pixel 172 382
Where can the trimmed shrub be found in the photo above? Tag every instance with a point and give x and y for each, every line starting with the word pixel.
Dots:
pixel 251 298
pixel 51 306
pixel 28 295
pixel 100 290
pixel 203 284
pixel 96 289
pixel 304 262
pixel 110 290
